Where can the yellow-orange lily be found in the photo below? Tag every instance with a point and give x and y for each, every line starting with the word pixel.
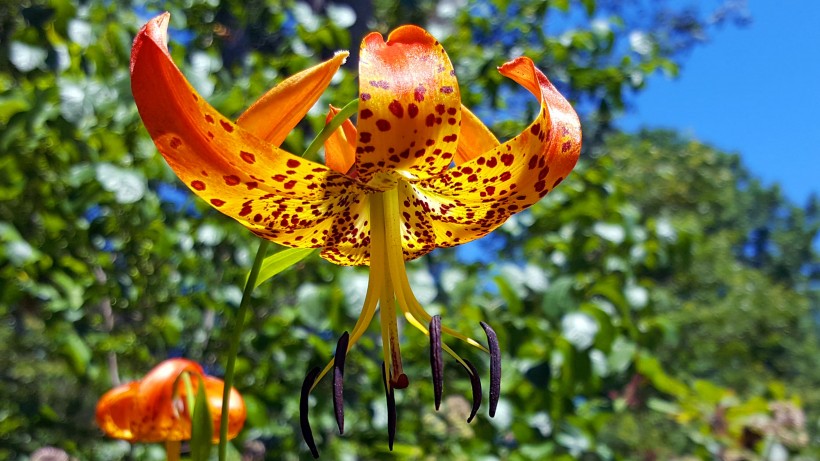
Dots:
pixel 155 408
pixel 418 171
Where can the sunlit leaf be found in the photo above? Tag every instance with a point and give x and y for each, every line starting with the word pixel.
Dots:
pixel 201 426
pixel 280 261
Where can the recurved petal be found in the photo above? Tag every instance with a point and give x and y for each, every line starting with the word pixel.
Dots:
pixel 409 108
pixel 279 110
pixel 340 147
pixel 472 199
pixel 115 411
pixel 474 139
pixel 278 196
pixel 157 415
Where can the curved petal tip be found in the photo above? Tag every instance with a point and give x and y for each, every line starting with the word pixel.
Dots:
pixel 155 30
pixel 410 34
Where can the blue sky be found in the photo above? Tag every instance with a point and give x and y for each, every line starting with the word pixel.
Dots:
pixel 753 90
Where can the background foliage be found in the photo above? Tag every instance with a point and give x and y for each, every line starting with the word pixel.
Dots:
pixel 661 304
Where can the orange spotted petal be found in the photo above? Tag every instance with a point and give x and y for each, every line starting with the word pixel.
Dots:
pixel 474 139
pixel 472 199
pixel 115 411
pixel 279 110
pixel 340 147
pixel 278 196
pixel 409 109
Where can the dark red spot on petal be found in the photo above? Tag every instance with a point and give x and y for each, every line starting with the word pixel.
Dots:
pixel 365 114
pixel 383 125
pixel 247 156
pixel 231 180
pixel 175 142
pixel 290 184
pixel 507 159
pixel 365 96
pixel 209 118
pixel 217 202
pixel 198 185
pixel 226 126
pixel 419 93
pixel 396 109
pixel 535 129
pixel 412 110
pixel 446 89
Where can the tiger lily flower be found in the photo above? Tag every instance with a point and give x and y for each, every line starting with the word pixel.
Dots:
pixel 155 408
pixel 418 171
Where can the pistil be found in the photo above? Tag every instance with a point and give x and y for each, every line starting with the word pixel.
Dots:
pixel 383 238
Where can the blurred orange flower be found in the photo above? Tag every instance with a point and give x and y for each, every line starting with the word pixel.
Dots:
pixel 155 408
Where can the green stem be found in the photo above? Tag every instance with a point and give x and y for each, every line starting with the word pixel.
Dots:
pixel 233 347
pixel 347 111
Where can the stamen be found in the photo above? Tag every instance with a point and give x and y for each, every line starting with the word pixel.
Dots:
pixel 368 311
pixel 436 361
pixel 476 383
pixel 338 378
pixel 495 368
pixel 307 434
pixel 391 409
pixel 380 241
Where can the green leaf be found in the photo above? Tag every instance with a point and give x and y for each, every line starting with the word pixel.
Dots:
pixel 510 296
pixel 280 261
pixel 589 6
pixel 201 426
pixel 76 351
